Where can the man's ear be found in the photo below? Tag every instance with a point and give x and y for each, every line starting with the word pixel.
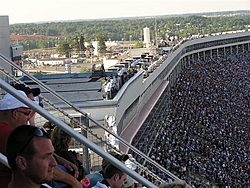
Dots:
pixel 15 114
pixel 21 162
pixel 116 177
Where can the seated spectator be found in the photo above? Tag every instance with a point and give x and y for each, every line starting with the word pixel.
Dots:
pixel 14 113
pixel 95 177
pixel 61 142
pixel 33 95
pixel 30 156
pixel 113 178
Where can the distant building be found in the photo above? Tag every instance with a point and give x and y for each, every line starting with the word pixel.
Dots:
pixel 56 61
pixel 95 45
pixel 51 62
pixel 146 37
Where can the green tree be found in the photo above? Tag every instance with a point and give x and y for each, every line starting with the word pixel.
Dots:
pixel 101 42
pixel 118 29
pixel 75 44
pixel 138 44
pixel 81 43
pixel 64 48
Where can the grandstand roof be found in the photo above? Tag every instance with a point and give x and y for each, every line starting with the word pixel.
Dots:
pixel 73 89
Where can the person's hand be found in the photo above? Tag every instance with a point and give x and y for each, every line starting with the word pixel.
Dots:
pixel 68 165
pixel 138 185
pixel 72 168
pixel 32 118
pixel 65 177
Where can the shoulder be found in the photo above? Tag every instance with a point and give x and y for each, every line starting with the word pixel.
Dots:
pixel 99 185
pixel 5 131
pixel 95 178
pixel 5 127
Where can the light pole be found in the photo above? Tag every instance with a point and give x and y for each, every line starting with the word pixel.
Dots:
pixel 28 49
pixel 48 47
pixel 91 56
pixel 79 43
pixel 130 36
pixel 122 44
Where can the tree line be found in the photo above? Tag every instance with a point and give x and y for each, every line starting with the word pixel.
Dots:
pixel 161 27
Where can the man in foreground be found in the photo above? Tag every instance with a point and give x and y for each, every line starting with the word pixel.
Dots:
pixel 30 156
pixel 14 113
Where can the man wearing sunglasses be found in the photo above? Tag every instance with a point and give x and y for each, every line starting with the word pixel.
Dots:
pixel 30 156
pixel 14 113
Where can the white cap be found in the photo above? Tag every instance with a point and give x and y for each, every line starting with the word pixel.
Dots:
pixel 9 102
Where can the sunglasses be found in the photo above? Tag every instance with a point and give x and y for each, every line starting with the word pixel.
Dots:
pixel 38 132
pixel 25 113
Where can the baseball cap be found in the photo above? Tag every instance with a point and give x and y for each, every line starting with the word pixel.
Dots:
pixel 9 102
pixel 27 89
pixel 121 157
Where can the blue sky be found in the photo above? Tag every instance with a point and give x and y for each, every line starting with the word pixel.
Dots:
pixel 26 11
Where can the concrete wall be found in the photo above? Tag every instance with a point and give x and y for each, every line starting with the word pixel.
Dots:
pixel 5 41
pixel 5 47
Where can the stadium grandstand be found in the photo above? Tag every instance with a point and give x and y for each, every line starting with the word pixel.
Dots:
pixel 188 120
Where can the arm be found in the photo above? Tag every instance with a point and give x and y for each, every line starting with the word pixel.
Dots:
pixel 60 175
pixel 68 165
pixel 32 119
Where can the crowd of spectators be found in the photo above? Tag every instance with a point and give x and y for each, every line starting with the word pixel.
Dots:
pixel 112 84
pixel 204 138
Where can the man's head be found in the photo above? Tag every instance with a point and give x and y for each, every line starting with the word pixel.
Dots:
pixel 114 176
pixel 32 93
pixel 13 111
pixel 30 154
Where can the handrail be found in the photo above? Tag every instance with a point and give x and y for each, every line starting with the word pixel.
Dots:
pixel 3 160
pixel 96 122
pixel 76 135
pixel 90 131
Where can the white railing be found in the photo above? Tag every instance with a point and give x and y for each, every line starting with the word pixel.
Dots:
pixel 55 118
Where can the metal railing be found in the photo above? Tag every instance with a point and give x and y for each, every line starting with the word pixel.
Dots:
pixel 90 139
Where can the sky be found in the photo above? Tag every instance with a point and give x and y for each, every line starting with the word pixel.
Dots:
pixel 30 11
